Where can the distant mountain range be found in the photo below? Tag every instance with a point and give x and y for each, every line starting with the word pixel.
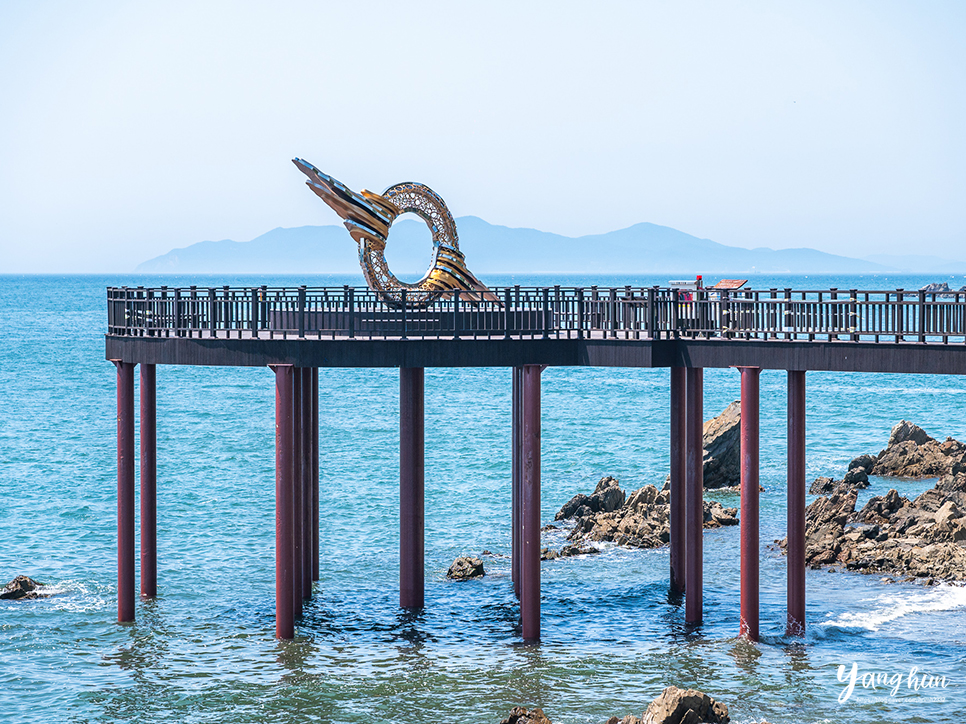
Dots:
pixel 642 248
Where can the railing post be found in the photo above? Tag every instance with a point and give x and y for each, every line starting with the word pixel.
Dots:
pixel 506 313
pixel 456 314
pixel 301 311
pixel 163 306
pixel 193 310
pixel 854 314
pixel 212 312
pixel 177 312
pixel 580 313
pixel 674 313
pixel 404 310
pixel 788 316
pixel 254 320
pixel 613 312
pixel 649 321
pixel 900 315
pixel 351 310
pixel 263 303
pixel 834 310
pixel 921 311
pixel 546 312
pixel 556 308
pixel 725 314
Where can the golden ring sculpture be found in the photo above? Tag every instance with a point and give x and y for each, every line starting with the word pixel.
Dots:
pixel 368 216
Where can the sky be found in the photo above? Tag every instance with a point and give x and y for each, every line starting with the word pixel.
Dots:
pixel 128 128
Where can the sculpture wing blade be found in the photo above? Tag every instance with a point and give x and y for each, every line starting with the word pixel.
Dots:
pixel 370 215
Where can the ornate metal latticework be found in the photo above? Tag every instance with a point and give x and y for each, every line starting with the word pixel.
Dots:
pixel 368 217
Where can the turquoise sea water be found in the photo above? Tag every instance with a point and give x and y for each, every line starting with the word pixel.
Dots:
pixel 612 639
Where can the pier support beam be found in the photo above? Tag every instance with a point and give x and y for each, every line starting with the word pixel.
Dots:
pixel 126 584
pixel 749 502
pixel 315 473
pixel 284 502
pixel 678 465
pixel 305 488
pixel 411 488
pixel 694 483
pixel 298 547
pixel 795 625
pixel 530 506
pixel 149 482
pixel 516 445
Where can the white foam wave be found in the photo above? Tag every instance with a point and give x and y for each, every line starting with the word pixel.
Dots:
pixel 873 613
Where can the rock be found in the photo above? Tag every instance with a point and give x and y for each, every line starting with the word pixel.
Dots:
pixel 641 521
pixel 913 453
pixel 939 288
pixel 22 588
pixel 822 486
pixel 574 550
pixel 465 568
pixel 607 496
pixel 519 715
pixel 722 448
pixel 856 478
pixel 863 461
pixel 570 508
pixel 685 706
pixel 922 539
pixel 908 432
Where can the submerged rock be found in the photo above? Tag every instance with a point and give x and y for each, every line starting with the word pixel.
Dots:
pixel 22 587
pixel 465 568
pixel 520 715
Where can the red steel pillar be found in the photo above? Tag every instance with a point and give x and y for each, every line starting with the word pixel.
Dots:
pixel 694 483
pixel 315 473
pixel 149 483
pixel 411 488
pixel 298 549
pixel 530 505
pixel 306 486
pixel 516 437
pixel 795 625
pixel 125 491
pixel 678 465
pixel 748 626
pixel 284 502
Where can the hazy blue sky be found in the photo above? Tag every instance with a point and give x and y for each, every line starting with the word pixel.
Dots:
pixel 127 129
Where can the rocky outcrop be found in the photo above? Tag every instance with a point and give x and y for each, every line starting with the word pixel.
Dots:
pixel 607 496
pixel 941 289
pixel 722 448
pixel 641 521
pixel 22 588
pixel 921 538
pixel 520 715
pixel 465 568
pixel 910 453
pixel 679 706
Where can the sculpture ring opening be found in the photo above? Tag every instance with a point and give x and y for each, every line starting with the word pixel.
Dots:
pixel 368 217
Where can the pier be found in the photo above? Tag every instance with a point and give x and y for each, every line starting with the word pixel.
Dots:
pixel 296 331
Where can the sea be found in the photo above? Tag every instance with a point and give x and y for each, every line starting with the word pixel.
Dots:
pixel 612 636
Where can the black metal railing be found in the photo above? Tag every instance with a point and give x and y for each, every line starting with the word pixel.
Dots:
pixel 541 312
